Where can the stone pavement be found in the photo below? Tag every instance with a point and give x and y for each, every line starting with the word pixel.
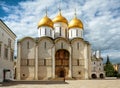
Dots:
pixel 62 84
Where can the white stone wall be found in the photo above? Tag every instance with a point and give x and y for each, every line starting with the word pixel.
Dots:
pixel 27 71
pixel 44 48
pixel 78 60
pixel 47 47
pixel 78 49
pixel 62 43
pixel 28 48
pixel 45 54
pixel 6 63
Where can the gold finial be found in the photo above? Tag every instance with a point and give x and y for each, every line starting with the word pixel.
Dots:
pixel 75 13
pixel 59 9
pixel 46 11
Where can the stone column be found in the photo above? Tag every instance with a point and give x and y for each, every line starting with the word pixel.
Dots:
pixel 18 62
pixel 53 62
pixel 89 60
pixel 70 64
pixel 36 62
pixel 86 62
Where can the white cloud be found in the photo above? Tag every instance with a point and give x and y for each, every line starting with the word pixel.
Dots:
pixel 100 17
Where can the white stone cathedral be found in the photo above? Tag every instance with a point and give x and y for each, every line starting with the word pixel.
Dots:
pixel 59 51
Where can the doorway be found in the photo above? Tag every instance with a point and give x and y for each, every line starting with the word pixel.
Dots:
pixel 62 73
pixel 61 63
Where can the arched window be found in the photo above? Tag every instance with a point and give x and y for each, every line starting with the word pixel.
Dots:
pixel 81 33
pixel 40 31
pixel 45 31
pixel 78 45
pixel 61 45
pixel 28 45
pixel 71 33
pixel 45 45
pixel 50 32
pixel 77 32
pixel 60 31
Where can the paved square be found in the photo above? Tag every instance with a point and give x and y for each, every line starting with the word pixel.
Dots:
pixel 61 84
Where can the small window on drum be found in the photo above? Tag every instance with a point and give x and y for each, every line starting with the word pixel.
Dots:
pixel 23 75
pixel 79 72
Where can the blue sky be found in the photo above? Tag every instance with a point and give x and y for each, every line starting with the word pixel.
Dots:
pixel 101 19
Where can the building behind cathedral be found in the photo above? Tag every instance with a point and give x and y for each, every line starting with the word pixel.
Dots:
pixel 59 51
pixel 97 68
pixel 7 43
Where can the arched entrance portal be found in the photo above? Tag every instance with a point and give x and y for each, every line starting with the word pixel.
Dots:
pixel 101 76
pixel 94 76
pixel 61 63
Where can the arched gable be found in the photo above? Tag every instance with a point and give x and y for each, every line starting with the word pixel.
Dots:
pixel 61 38
pixel 21 40
pixel 62 43
pixel 46 38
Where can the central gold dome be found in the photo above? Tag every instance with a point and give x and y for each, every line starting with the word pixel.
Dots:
pixel 60 18
pixel 75 23
pixel 45 21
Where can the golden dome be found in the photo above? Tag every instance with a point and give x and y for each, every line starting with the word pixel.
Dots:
pixel 75 23
pixel 45 21
pixel 60 18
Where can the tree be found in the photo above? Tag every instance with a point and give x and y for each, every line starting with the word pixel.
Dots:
pixel 109 70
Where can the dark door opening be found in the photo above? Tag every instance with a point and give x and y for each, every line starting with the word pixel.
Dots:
pixel 62 74
pixel 101 76
pixel 4 74
pixel 94 76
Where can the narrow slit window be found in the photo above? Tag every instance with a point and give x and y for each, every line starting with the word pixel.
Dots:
pixel 50 32
pixel 78 46
pixel 44 62
pixel 40 31
pixel 28 45
pixel 60 31
pixel 61 45
pixel 45 45
pixel 78 62
pixel 76 32
pixel 81 33
pixel 71 33
pixel 45 31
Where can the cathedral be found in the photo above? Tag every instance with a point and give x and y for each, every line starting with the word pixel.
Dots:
pixel 59 51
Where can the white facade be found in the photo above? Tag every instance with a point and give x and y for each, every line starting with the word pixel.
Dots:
pixel 62 53
pixel 7 42
pixel 37 60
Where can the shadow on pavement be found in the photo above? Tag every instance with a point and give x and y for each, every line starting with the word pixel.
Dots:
pixel 12 83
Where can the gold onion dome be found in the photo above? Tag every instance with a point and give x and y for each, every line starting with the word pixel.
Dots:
pixel 45 21
pixel 75 23
pixel 60 18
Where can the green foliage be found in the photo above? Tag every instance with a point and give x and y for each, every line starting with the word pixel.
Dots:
pixel 109 70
